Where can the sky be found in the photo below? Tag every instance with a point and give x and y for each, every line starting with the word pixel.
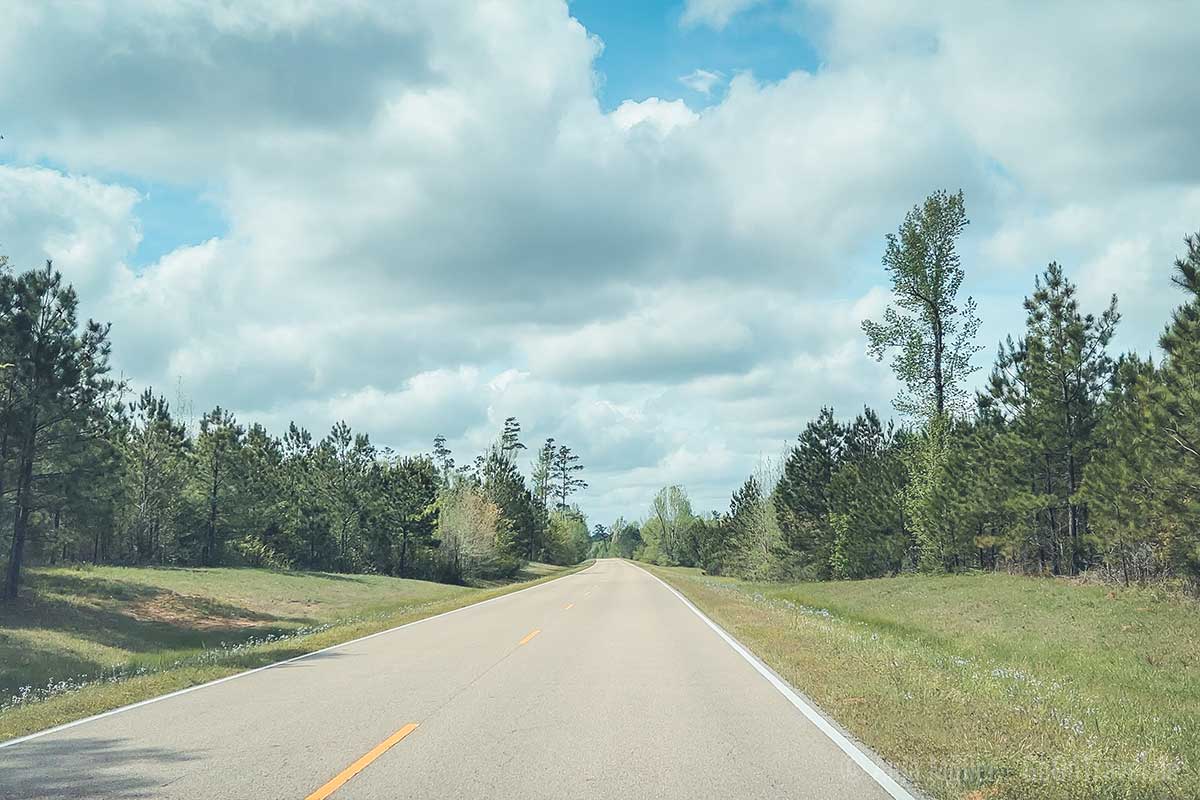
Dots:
pixel 650 230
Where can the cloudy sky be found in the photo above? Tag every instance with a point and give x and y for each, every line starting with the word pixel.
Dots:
pixel 649 229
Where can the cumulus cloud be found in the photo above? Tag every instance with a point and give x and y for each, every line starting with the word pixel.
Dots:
pixel 433 224
pixel 702 80
pixel 715 13
pixel 662 116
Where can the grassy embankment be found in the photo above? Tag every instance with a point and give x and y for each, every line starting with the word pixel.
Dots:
pixel 988 686
pixel 85 640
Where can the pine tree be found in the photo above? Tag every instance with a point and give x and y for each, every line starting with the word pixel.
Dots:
pixel 442 459
pixel 1050 385
pixel 156 450
pixel 1128 480
pixel 866 515
pixel 57 393
pixel 217 476
pixel 1177 414
pixel 510 437
pixel 802 502
pixel 564 472
pixel 543 471
pixel 343 461
pixel 524 519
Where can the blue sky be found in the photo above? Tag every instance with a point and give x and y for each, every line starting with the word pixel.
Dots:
pixel 173 216
pixel 648 48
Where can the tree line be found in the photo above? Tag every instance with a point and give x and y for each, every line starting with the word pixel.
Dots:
pixel 88 473
pixel 1070 458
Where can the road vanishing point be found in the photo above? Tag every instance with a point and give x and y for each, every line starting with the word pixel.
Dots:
pixel 602 684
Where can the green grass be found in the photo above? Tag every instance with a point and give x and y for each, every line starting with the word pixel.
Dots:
pixel 89 639
pixel 988 686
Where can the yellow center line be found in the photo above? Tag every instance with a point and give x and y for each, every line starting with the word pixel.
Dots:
pixel 568 606
pixel 358 766
pixel 529 636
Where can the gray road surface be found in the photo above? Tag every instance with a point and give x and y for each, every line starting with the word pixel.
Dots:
pixel 623 693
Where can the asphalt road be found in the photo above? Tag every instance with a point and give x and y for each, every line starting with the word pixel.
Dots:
pixel 601 684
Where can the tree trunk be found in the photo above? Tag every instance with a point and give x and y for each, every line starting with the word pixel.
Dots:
pixel 210 545
pixel 939 383
pixel 1053 522
pixel 1072 515
pixel 24 501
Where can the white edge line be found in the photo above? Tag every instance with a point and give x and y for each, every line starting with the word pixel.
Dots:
pixel 273 664
pixel 868 765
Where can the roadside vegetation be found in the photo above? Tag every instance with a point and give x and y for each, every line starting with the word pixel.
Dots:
pixel 1040 636
pixel 1069 460
pixel 988 685
pixel 331 538
pixel 91 471
pixel 86 639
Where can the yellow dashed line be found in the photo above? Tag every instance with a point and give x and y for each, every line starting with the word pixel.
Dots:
pixel 529 636
pixel 358 766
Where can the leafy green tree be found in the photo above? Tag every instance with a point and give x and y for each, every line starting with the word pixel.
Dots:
pixel 626 538
pixel 568 541
pixel 934 340
pixel 933 335
pixel 670 531
pixel 403 518
pixel 472 540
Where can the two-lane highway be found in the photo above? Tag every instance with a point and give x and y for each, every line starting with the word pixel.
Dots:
pixel 601 684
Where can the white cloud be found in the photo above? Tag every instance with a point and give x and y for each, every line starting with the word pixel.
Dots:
pixel 75 221
pixel 715 13
pixel 662 116
pixel 433 224
pixel 702 80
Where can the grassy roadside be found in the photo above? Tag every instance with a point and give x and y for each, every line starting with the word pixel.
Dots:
pixel 988 686
pixel 88 640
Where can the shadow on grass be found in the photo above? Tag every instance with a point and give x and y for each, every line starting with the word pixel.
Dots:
pixel 328 576
pixel 86 767
pixel 63 609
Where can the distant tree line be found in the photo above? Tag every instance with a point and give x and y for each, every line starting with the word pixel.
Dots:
pixel 88 474
pixel 1070 459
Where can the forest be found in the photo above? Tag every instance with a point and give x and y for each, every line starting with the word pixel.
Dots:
pixel 1069 459
pixel 91 472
